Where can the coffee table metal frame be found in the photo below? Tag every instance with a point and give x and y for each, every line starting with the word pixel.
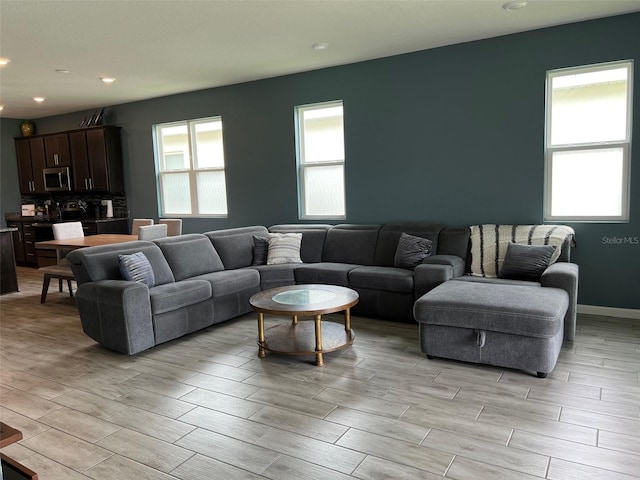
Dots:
pixel 295 338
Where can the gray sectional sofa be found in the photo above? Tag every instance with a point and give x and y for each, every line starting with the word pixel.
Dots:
pixel 204 279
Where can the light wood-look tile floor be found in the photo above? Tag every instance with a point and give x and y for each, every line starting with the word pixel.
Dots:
pixel 206 407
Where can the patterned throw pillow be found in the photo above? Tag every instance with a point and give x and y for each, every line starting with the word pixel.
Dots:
pixel 260 250
pixel 526 262
pixel 411 251
pixel 284 248
pixel 136 268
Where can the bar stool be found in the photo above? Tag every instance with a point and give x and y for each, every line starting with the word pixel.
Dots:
pixel 139 222
pixel 174 226
pixel 62 269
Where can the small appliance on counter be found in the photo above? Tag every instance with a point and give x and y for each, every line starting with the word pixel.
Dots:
pixel 107 205
pixel 72 210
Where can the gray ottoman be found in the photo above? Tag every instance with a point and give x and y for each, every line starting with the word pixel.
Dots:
pixel 514 326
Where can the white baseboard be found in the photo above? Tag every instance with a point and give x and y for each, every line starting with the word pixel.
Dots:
pixel 609 311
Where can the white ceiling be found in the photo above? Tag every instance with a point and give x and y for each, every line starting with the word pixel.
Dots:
pixel 161 47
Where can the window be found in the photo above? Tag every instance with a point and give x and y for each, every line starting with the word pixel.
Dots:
pixel 320 150
pixel 588 143
pixel 190 165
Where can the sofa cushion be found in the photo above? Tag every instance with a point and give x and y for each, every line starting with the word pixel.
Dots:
pixel 526 262
pixel 349 243
pixel 515 309
pixel 235 245
pixel 284 248
pixel 326 273
pixel 172 296
pixel 411 251
pixel 231 281
pixel 388 279
pixel 283 274
pixel 136 268
pixel 190 255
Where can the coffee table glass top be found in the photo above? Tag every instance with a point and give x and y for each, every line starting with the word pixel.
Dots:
pixel 307 299
pixel 303 296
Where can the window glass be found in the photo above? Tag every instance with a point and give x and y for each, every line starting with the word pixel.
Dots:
pixel 190 162
pixel 320 160
pixel 588 143
pixel 324 193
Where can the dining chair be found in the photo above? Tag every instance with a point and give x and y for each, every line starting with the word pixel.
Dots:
pixel 151 232
pixel 62 269
pixel 174 226
pixel 139 222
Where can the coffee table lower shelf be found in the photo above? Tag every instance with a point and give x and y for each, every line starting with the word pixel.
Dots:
pixel 300 338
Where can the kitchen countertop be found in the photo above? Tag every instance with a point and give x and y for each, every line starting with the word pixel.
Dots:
pixel 5 230
pixel 18 218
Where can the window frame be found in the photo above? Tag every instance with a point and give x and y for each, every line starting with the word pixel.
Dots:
pixel 192 171
pixel 624 144
pixel 302 166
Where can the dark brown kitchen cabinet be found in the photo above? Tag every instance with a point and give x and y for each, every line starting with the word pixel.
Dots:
pixel 31 161
pixel 29 241
pixel 96 159
pixel 56 149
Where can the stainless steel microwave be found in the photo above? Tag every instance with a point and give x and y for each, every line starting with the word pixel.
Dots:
pixel 57 179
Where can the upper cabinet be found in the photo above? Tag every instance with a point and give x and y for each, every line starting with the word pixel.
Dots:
pixel 31 161
pixel 94 155
pixel 56 148
pixel 96 159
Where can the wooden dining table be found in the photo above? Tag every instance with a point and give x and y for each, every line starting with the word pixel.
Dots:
pixel 88 241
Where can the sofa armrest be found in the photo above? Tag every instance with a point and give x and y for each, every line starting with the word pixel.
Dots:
pixel 564 275
pixel 435 270
pixel 117 314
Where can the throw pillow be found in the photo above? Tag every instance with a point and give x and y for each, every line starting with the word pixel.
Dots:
pixel 411 251
pixel 260 250
pixel 136 268
pixel 284 248
pixel 526 262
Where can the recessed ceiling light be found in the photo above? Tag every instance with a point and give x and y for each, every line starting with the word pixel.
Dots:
pixel 4 61
pixel 38 99
pixel 61 70
pixel 320 46
pixel 108 79
pixel 514 5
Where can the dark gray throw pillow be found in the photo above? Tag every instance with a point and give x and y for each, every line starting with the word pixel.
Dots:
pixel 526 262
pixel 260 250
pixel 136 268
pixel 411 251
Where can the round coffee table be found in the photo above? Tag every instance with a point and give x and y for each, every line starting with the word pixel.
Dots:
pixel 311 337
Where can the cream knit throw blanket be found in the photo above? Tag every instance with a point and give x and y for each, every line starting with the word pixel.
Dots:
pixel 489 243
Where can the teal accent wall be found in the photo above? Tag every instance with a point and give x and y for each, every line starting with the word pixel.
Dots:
pixel 452 135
